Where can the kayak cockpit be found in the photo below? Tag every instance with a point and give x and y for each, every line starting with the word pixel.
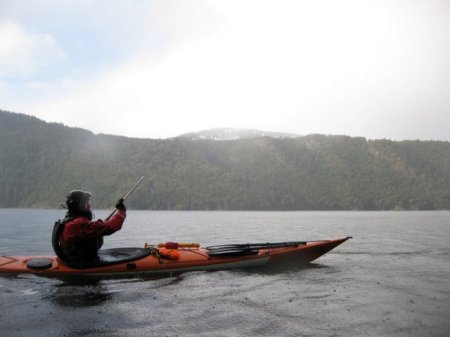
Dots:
pixel 106 257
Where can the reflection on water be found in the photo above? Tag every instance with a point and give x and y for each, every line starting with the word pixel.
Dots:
pixel 79 293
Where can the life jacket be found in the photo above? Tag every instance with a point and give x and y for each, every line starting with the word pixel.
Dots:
pixel 56 234
pixel 78 253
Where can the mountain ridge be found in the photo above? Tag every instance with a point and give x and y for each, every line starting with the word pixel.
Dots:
pixel 41 162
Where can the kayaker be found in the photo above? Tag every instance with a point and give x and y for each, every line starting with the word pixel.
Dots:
pixel 77 239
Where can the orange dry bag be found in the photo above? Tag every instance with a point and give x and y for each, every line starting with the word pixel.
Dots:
pixel 172 254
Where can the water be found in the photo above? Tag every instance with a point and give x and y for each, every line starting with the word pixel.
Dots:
pixel 391 279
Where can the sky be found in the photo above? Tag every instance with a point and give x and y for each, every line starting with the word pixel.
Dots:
pixel 157 69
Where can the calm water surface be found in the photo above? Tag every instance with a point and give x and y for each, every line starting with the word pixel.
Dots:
pixel 392 279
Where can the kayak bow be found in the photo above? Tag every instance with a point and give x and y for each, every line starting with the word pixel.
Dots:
pixel 153 260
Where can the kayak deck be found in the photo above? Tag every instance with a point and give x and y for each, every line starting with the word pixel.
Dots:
pixel 148 261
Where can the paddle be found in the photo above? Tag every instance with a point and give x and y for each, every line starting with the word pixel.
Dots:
pixel 125 197
pixel 249 248
pixel 257 245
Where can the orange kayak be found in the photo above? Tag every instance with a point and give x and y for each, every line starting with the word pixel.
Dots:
pixel 174 258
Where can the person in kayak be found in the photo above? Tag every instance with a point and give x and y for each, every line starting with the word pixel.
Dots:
pixel 77 239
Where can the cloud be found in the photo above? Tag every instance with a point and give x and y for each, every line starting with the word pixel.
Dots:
pixel 350 67
pixel 23 53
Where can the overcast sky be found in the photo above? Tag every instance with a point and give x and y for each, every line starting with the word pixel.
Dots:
pixel 156 69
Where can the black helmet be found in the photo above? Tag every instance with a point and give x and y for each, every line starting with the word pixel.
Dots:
pixel 76 200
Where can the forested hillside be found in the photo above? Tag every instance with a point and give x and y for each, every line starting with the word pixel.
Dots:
pixel 41 162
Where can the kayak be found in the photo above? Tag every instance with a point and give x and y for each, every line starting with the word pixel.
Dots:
pixel 173 258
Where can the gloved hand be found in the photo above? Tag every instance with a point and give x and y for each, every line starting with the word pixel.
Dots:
pixel 120 206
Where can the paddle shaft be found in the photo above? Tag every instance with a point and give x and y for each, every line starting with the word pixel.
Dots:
pixel 257 245
pixel 125 197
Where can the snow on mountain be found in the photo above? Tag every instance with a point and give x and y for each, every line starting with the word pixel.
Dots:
pixel 234 134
